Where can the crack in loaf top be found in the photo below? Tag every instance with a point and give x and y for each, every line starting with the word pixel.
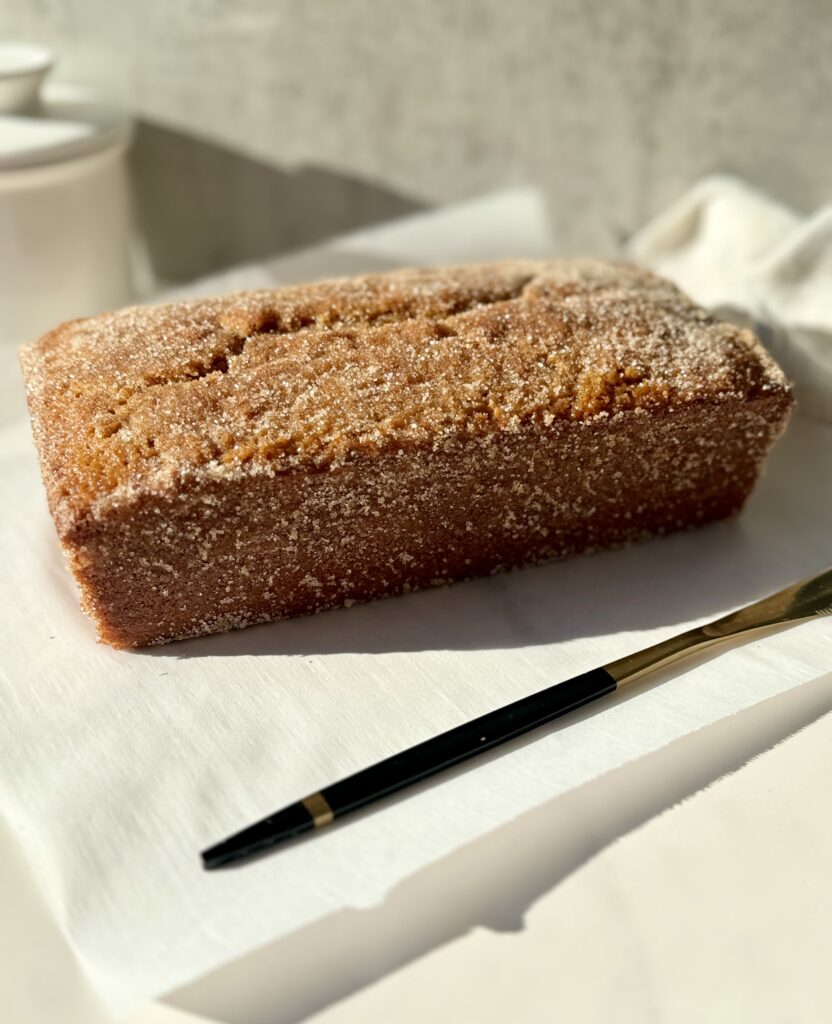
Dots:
pixel 306 378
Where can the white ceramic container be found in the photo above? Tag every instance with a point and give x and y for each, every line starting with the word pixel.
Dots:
pixel 64 203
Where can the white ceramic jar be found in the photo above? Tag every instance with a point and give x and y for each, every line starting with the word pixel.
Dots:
pixel 64 203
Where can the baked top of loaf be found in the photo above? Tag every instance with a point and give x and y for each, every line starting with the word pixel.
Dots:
pixel 303 379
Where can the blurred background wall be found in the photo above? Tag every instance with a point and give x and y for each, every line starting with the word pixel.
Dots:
pixel 269 124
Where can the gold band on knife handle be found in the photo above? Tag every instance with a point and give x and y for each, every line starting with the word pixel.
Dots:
pixel 319 810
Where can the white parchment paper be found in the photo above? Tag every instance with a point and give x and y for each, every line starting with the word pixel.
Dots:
pixel 116 768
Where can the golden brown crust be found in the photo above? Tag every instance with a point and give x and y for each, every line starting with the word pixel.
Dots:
pixel 224 461
pixel 304 378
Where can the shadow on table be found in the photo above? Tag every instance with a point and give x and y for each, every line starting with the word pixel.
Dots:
pixel 662 582
pixel 488 883
pixel 201 206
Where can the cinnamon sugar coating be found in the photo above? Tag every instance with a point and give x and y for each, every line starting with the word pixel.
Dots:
pixel 281 411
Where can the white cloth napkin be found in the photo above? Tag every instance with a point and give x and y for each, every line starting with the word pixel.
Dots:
pixel 117 768
pixel 735 250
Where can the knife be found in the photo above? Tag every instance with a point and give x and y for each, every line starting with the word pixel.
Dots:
pixel 797 603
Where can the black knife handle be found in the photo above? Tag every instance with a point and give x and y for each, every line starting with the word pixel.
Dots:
pixel 414 764
pixel 465 741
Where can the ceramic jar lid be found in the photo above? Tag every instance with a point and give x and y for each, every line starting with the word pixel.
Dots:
pixel 52 125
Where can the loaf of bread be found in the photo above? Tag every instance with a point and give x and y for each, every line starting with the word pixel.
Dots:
pixel 221 462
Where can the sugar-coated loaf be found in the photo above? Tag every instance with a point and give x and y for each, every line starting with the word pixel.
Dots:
pixel 219 462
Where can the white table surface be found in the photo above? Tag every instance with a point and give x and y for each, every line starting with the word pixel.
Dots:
pixel 718 910
pixel 698 876
pixel 626 871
